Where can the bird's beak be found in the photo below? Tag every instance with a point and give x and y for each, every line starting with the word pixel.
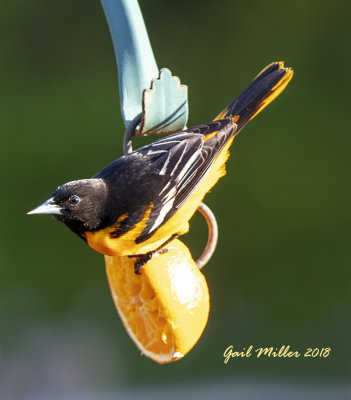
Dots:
pixel 48 207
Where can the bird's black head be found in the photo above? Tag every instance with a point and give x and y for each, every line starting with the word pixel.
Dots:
pixel 79 204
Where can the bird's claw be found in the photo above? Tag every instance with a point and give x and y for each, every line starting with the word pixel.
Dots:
pixel 142 259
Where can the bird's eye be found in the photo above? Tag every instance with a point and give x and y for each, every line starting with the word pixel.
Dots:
pixel 74 199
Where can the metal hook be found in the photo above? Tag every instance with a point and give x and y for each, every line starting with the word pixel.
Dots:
pixel 212 235
pixel 202 208
pixel 129 133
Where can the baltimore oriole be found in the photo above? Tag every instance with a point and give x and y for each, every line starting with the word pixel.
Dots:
pixel 142 200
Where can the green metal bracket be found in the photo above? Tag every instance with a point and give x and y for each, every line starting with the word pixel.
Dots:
pixel 165 106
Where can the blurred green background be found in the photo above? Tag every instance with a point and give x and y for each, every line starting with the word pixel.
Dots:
pixel 280 275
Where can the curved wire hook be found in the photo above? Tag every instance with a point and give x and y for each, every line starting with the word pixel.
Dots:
pixel 202 208
pixel 212 235
pixel 129 133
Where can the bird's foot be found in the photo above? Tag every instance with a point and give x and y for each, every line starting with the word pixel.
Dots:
pixel 142 259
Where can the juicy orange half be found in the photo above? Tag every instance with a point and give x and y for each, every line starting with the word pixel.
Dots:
pixel 165 309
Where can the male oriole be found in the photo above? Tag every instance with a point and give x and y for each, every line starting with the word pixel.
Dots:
pixel 142 200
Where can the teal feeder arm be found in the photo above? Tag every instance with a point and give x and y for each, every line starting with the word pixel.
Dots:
pixel 157 97
pixel 135 60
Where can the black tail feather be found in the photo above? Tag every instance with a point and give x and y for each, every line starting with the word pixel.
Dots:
pixel 263 89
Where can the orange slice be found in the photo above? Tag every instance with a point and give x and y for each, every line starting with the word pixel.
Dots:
pixel 165 309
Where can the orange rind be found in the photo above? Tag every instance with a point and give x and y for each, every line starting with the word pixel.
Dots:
pixel 165 308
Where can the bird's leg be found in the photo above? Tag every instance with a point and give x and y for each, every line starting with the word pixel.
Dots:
pixel 142 259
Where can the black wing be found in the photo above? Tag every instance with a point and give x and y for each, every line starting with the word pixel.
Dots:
pixel 182 160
